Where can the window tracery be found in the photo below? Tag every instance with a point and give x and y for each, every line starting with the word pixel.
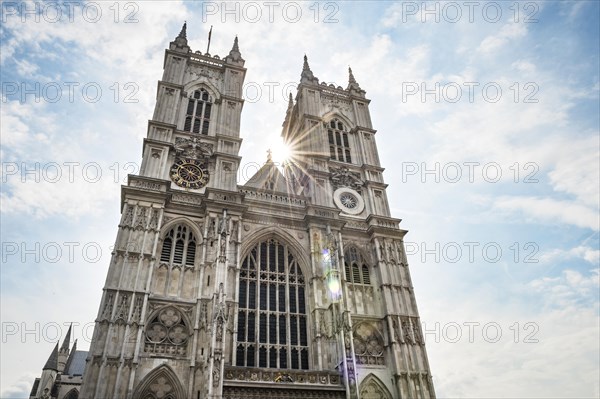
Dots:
pixel 167 333
pixel 368 345
pixel 357 271
pixel 197 116
pixel 272 320
pixel 179 246
pixel 339 146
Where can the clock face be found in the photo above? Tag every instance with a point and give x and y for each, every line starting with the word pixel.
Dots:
pixel 348 200
pixel 189 173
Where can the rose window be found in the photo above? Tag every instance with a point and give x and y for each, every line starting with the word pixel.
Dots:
pixel 348 200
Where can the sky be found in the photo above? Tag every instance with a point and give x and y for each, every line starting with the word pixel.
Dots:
pixel 487 124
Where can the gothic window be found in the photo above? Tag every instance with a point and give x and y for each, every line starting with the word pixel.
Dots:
pixel 72 394
pixel 357 271
pixel 167 333
pixel 197 116
pixel 339 148
pixel 179 246
pixel 272 324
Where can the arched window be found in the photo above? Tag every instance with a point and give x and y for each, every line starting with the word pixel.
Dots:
pixel 339 148
pixel 197 116
pixel 179 246
pixel 72 394
pixel 272 328
pixel 357 271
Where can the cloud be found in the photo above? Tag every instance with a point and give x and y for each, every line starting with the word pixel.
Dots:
pixel 586 253
pixel 507 33
pixel 548 210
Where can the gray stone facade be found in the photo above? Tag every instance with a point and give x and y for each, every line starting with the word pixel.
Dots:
pixel 294 285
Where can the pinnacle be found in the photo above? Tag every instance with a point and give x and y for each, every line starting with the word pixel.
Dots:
pixel 351 77
pixel 305 67
pixel 183 33
pixel 352 83
pixel 307 75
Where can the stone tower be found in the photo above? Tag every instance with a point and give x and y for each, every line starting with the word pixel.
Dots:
pixel 293 285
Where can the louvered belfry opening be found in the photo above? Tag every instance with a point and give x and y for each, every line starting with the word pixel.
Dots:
pixel 197 116
pixel 272 323
pixel 179 247
pixel 357 271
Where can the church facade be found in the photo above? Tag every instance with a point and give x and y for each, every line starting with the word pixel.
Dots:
pixel 293 285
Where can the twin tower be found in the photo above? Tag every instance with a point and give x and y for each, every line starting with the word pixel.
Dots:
pixel 293 285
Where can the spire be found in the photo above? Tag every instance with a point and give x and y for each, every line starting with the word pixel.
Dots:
pixel 183 33
pixel 65 345
pixel 291 101
pixel 70 359
pixel 52 363
pixel 235 56
pixel 307 75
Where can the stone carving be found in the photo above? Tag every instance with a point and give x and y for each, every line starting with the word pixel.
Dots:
pixel 141 219
pixel 216 374
pixel 343 177
pixel 154 220
pixel 234 231
pixel 167 333
pixel 193 148
pixel 396 328
pixel 283 377
pixel 123 308
pixel 137 310
pixel 128 219
pixel 368 345
pixel 406 330
pixel 188 199
pixel 203 315
pixel 161 388
pixel 417 334
pixel 108 306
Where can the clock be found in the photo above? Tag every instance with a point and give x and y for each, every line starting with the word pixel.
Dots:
pixel 348 200
pixel 189 173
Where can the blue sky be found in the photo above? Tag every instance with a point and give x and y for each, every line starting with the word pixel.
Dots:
pixel 393 48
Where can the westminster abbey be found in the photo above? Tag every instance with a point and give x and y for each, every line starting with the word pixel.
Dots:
pixel 293 285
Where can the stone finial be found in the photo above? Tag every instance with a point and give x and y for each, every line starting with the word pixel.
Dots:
pixel 291 101
pixel 307 75
pixel 269 156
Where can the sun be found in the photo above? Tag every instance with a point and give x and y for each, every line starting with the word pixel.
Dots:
pixel 281 152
